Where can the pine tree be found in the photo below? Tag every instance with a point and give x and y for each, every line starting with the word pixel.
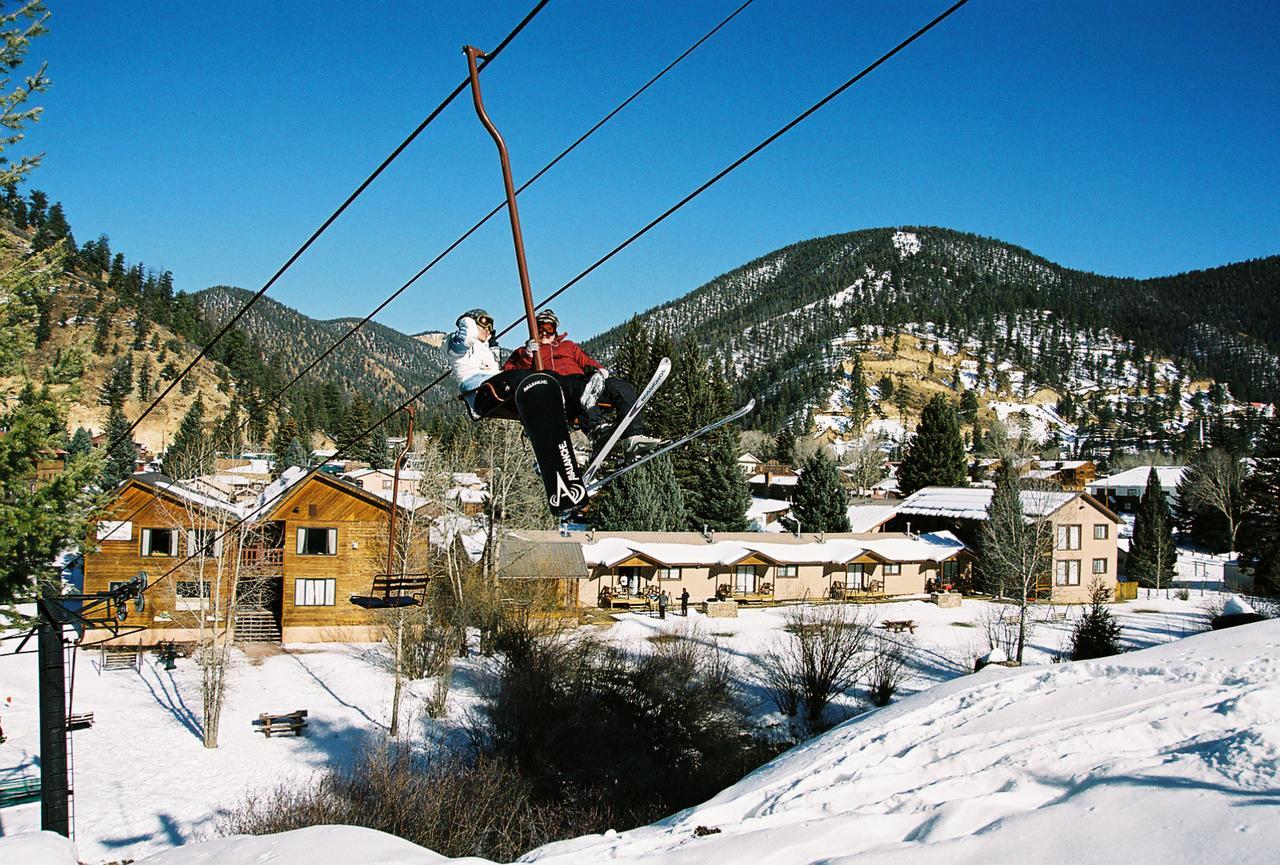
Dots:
pixel 286 434
pixel 118 384
pixel 145 378
pixel 81 443
pixel 38 524
pixel 121 458
pixel 1097 633
pixel 296 455
pixel 647 499
pixel 820 504
pixel 1152 553
pixel 719 497
pixel 935 455
pixel 969 407
pixel 1259 537
pixel 190 453
pixel 859 403
pixel 784 447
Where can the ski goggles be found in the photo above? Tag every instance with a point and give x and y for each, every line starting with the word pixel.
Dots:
pixel 485 322
pixel 546 328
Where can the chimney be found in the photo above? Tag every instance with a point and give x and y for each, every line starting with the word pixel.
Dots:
pixel 707 534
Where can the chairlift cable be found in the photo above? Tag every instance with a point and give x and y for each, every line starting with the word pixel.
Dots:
pixel 315 235
pixel 716 178
pixel 476 227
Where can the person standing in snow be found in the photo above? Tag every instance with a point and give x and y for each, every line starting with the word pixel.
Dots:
pixel 569 360
pixel 684 603
pixel 663 598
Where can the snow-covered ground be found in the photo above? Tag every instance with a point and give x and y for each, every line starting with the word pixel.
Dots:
pixel 974 767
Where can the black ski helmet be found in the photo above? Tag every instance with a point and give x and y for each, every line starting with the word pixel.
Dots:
pixel 477 315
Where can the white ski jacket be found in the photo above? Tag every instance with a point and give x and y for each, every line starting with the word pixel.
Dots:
pixel 472 360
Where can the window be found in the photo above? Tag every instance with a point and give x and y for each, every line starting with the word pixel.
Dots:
pixel 191 594
pixel 668 573
pixel 115 584
pixel 788 571
pixel 159 542
pixel 313 593
pixel 893 569
pixel 317 542
pixel 744 579
pixel 386 483
pixel 1099 566
pixel 1068 538
pixel 204 542
pixel 1066 572
pixel 1100 531
pixel 855 576
pixel 1132 492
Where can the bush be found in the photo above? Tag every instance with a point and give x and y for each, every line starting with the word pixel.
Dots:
pixel 1097 633
pixel 887 669
pixel 585 722
pixel 454 806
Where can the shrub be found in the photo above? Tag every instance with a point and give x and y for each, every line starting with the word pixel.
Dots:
pixel 454 806
pixel 1097 633
pixel 887 668
pixel 584 721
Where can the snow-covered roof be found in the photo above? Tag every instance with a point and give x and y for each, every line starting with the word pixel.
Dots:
pixel 1137 477
pixel 187 494
pixel 749 457
pixel 864 518
pixel 467 479
pixel 254 467
pixel 405 474
pixel 970 503
pixel 469 530
pixel 838 550
pixel 778 480
pixel 466 495
pixel 760 506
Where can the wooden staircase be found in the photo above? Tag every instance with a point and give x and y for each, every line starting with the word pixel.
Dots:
pixel 256 626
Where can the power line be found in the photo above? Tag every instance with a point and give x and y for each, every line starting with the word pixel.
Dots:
pixel 714 179
pixel 325 225
pixel 497 209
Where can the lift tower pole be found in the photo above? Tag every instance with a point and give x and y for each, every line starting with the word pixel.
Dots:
pixel 54 790
pixel 540 360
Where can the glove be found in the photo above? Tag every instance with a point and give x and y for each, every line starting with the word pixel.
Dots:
pixel 532 346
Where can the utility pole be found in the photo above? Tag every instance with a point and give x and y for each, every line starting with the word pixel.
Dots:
pixel 54 789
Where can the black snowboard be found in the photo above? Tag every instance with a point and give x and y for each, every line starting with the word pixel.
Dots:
pixel 540 403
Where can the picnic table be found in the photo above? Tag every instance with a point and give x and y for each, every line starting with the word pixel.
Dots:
pixel 899 625
pixel 290 722
pixel 18 791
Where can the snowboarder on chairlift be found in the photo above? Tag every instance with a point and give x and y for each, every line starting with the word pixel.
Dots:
pixel 568 359
pixel 489 389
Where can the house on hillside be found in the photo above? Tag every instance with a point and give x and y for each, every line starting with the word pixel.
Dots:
pixel 308 545
pixel 765 515
pixel 774 481
pixel 1085 531
pixel 621 568
pixel 749 463
pixel 1122 492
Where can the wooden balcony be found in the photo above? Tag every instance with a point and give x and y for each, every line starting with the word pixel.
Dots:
pixel 263 558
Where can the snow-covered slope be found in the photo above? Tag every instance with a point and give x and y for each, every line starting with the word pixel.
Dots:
pixel 1166 755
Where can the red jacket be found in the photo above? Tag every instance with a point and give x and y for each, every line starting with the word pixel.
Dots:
pixel 568 358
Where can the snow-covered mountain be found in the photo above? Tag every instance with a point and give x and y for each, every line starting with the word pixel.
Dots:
pixel 787 324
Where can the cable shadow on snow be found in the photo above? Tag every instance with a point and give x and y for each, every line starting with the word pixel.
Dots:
pixel 325 686
pixel 173 702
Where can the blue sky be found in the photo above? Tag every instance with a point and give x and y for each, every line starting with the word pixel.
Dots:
pixel 1126 138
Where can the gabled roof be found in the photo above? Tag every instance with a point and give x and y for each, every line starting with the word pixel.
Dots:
pixel 971 503
pixel 280 494
pixel 155 482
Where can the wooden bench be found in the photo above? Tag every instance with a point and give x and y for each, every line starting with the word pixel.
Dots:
pixel 120 658
pixel 899 625
pixel 19 791
pixel 291 722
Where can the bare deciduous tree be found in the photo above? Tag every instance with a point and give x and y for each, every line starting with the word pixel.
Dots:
pixel 821 656
pixel 1017 547
pixel 1212 481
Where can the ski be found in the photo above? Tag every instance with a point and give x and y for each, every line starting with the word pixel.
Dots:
pixel 593 486
pixel 655 381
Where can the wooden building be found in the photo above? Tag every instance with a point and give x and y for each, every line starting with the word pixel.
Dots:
pixel 310 544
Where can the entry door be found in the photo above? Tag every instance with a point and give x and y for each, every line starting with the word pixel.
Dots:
pixel 744 579
pixel 856 577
